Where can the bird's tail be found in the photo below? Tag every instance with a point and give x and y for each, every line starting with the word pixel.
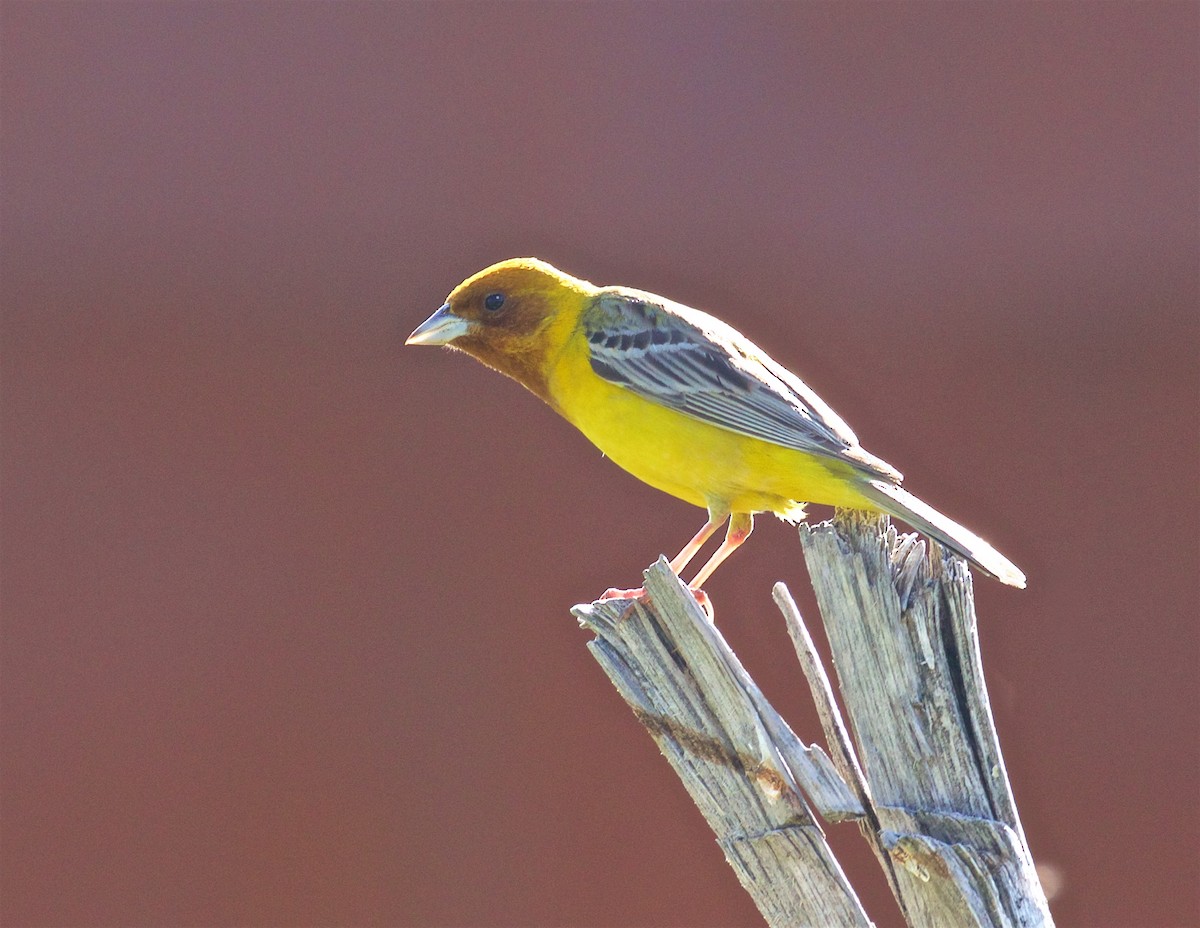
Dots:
pixel 923 517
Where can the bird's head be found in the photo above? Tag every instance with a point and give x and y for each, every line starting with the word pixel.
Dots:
pixel 512 316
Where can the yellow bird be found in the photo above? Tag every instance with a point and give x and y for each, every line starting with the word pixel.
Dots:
pixel 682 401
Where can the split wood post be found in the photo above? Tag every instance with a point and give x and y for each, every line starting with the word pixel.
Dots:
pixel 923 775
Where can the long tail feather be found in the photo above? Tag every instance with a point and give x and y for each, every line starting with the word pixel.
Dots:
pixel 923 517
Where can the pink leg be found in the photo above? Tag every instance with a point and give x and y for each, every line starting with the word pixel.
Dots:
pixel 741 524
pixel 683 558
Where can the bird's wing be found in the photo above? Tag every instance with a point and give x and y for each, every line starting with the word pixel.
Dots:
pixel 691 362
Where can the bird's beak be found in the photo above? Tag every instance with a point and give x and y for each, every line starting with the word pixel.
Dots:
pixel 441 328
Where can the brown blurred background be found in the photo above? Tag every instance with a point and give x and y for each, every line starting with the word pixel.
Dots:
pixel 285 634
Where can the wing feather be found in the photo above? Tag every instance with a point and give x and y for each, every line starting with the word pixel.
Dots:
pixel 693 363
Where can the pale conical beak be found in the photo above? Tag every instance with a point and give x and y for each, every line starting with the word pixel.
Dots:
pixel 441 328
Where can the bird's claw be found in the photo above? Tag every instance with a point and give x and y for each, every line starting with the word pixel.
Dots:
pixel 614 593
pixel 640 593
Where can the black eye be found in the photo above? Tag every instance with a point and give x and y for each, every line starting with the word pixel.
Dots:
pixel 493 301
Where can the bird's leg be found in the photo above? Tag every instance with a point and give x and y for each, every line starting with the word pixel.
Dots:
pixel 683 558
pixel 741 524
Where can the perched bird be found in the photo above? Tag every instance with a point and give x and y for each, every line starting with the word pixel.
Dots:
pixel 682 401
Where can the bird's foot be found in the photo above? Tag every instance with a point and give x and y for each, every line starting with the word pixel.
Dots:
pixel 704 601
pixel 614 593
pixel 628 597
pixel 640 593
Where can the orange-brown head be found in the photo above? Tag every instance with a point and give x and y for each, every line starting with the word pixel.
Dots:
pixel 514 316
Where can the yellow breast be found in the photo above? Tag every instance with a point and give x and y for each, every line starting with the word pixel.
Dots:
pixel 703 464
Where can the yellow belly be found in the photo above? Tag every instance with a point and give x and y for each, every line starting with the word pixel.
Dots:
pixel 703 464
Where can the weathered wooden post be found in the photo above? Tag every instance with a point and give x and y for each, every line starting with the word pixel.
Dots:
pixel 922 773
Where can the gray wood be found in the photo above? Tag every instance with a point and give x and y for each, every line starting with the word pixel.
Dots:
pixel 922 776
pixel 837 736
pixel 744 768
pixel 902 631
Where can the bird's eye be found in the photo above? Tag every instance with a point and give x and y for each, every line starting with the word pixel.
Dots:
pixel 493 301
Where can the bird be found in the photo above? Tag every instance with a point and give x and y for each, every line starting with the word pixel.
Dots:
pixel 684 402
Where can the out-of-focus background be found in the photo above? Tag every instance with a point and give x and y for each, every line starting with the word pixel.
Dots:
pixel 285 630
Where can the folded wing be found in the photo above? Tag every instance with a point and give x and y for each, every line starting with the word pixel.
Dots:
pixel 695 364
